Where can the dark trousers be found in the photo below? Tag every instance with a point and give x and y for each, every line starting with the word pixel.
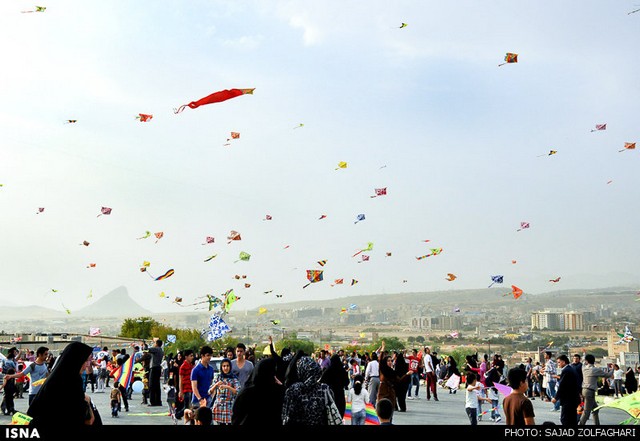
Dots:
pixel 155 398
pixel 569 414
pixel 125 401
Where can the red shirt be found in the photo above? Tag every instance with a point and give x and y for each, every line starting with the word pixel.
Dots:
pixel 185 376
pixel 414 362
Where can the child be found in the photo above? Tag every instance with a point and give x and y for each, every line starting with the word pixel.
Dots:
pixel 145 389
pixel 116 395
pixel 170 389
pixel 472 398
pixel 358 397
pixel 10 391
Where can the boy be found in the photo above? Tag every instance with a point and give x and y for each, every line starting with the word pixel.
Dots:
pixel 518 409
pixel 116 396
pixel 472 398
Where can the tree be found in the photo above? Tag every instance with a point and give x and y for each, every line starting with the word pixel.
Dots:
pixel 294 345
pixel 420 339
pixel 140 327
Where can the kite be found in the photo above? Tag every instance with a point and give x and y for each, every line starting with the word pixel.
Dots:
pixel 341 164
pixel 37 9
pixel 146 234
pixel 322 216
pixel 380 192
pixel 609 182
pixel 503 388
pixel 40 210
pixel 451 277
pixel 628 146
pixel 124 373
pixel 509 58
pixel 237 277
pixel 235 135
pixel 403 25
pixel 90 294
pixel 267 217
pixel 215 97
pixel 91 265
pixel 262 311
pixel 359 218
pixel 369 247
pixel 143 117
pixel 633 12
pixel 217 328
pixel 267 292
pixel 233 235
pixel 275 322
pixel 495 279
pixel 145 265
pixel 551 152
pixel 454 334
pixel 54 290
pixel 247 285
pixel 210 257
pixel 363 334
pixel 434 252
pixel 94 332
pixel 243 256
pixel 365 258
pixel 171 338
pixel 208 240
pixel 371 418
pixel 166 275
pixel 599 127
pixel 299 125
pixel 104 210
pixel 523 226
pixel 629 403
pixel 353 282
pixel 278 295
pixel 404 281
pixel 85 243
pixel 513 262
pixel 456 309
pixel 158 235
pixel 517 292
pixel 162 295
pixel 343 311
pixel 556 280
pixel 627 337
pixel 322 262
pixel 229 299
pixel 313 276
pixel 353 306
pixel 71 121
pixel 338 282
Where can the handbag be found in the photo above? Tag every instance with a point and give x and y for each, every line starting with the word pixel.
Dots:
pixel 333 414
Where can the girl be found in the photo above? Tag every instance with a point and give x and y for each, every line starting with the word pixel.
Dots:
pixel 358 399
pixel 224 389
pixel 618 375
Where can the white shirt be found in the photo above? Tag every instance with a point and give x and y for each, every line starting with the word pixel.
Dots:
pixel 428 363
pixel 471 397
pixel 373 369
pixel 358 402
pixel 618 374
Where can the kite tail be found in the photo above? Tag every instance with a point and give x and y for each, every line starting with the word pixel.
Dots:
pixel 621 150
pixel 306 285
pixel 490 285
pixel 357 253
pixel 501 64
pixel 180 109
pixel 99 215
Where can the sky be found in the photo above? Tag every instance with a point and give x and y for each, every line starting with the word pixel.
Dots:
pixel 460 143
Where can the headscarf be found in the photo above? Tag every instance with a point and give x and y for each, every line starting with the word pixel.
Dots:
pixel 291 375
pixel 304 401
pixel 61 397
pixel 230 375
pixel 259 402
pixel 401 367
pixel 338 380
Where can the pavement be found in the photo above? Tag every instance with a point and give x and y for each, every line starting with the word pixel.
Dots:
pixel 448 411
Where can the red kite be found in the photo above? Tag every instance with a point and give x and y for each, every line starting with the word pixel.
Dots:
pixel 215 97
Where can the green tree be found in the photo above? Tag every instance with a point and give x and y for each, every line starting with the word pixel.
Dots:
pixel 420 339
pixel 294 345
pixel 140 327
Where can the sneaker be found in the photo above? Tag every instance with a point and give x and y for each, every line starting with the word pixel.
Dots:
pixel 479 417
pixel 409 398
pixel 498 419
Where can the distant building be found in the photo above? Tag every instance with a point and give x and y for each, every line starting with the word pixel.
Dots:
pixel 439 323
pixel 557 321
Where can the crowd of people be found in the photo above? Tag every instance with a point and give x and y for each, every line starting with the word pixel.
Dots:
pixel 289 388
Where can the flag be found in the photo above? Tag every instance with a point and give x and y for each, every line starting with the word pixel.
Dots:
pixel 371 418
pixel 217 328
pixel 171 338
pixel 94 331
pixel 124 373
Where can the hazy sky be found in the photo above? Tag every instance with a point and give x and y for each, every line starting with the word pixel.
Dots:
pixel 460 144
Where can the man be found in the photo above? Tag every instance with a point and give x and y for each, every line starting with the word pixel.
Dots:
pixel 568 393
pixel 590 375
pixel 430 371
pixel 155 370
pixel 528 369
pixel 241 366
pixel 201 378
pixel 518 409
pixel 414 365
pixel 372 378
pixel 549 372
pixel 185 391
pixel 577 366
pixel 325 360
pixel 38 370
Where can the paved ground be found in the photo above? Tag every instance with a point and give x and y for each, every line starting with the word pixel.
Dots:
pixel 448 411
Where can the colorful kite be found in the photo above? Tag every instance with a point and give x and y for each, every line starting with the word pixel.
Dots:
pixel 275 322
pixel 341 164
pixel 523 226
pixel 143 117
pixel 166 275
pixel 322 262
pixel 359 218
pixel 380 192
pixel 403 25
pixel 37 9
pixel 365 258
pixel 450 277
pixel 233 235
pixel 627 337
pixel 509 58
pixel 513 262
pixel 40 210
pixel 105 211
pixel 599 127
pixel 247 285
pixel 215 97
pixel 338 282
pixel 159 235
pixel 343 311
pixel 517 292
pixel 556 280
pixel 353 282
pixel 628 146
pixel 313 276
pixel 146 234
pixel 229 299
pixel 208 240
pixel 91 265
pixel 243 256
pixel 71 121
pixel 267 217
pixel 369 247
pixel 434 252
pixel 322 216
pixel 217 328
pixel 496 279
pixel 171 338
pixel 235 135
